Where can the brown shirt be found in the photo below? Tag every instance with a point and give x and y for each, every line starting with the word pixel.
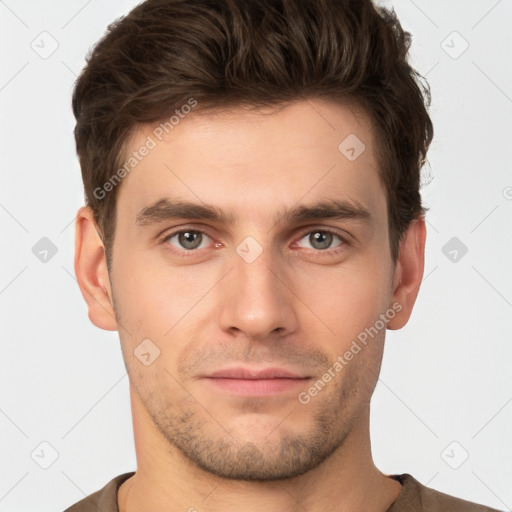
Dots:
pixel 414 497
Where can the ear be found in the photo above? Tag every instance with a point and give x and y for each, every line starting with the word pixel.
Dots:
pixel 408 272
pixel 91 271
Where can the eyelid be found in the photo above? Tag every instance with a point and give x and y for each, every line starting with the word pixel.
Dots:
pixel 343 235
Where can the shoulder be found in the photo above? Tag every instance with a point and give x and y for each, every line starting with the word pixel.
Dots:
pixel 104 500
pixel 417 497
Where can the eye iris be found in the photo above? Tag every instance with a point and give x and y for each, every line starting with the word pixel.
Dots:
pixel 324 239
pixel 186 239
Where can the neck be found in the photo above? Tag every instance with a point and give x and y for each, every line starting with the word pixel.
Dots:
pixel 166 480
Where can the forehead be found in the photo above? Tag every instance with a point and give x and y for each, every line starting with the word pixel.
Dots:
pixel 256 160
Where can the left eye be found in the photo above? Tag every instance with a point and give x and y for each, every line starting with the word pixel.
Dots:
pixel 321 240
pixel 188 239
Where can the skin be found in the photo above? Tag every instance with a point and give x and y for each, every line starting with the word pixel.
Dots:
pixel 299 305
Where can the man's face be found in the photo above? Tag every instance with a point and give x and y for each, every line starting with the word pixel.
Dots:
pixel 254 291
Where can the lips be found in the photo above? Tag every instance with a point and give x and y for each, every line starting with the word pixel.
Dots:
pixel 260 382
pixel 255 374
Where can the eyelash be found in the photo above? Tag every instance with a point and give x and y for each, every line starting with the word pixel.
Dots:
pixel 193 252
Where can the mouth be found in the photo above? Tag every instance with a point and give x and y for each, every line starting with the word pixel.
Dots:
pixel 245 381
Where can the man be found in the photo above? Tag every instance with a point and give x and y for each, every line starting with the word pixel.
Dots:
pixel 253 226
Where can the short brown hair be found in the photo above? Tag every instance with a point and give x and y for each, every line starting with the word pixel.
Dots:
pixel 227 53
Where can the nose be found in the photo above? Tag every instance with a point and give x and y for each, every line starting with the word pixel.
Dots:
pixel 257 298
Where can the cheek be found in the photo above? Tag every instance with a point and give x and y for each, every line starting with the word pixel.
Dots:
pixel 144 287
pixel 346 299
pixel 152 298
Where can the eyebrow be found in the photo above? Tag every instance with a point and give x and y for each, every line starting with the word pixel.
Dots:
pixel 166 209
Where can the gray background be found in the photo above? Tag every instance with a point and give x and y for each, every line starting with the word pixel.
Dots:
pixel 442 410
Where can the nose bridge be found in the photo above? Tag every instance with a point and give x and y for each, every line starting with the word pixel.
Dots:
pixel 257 301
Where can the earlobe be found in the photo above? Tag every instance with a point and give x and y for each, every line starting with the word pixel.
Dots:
pixel 91 271
pixel 408 272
